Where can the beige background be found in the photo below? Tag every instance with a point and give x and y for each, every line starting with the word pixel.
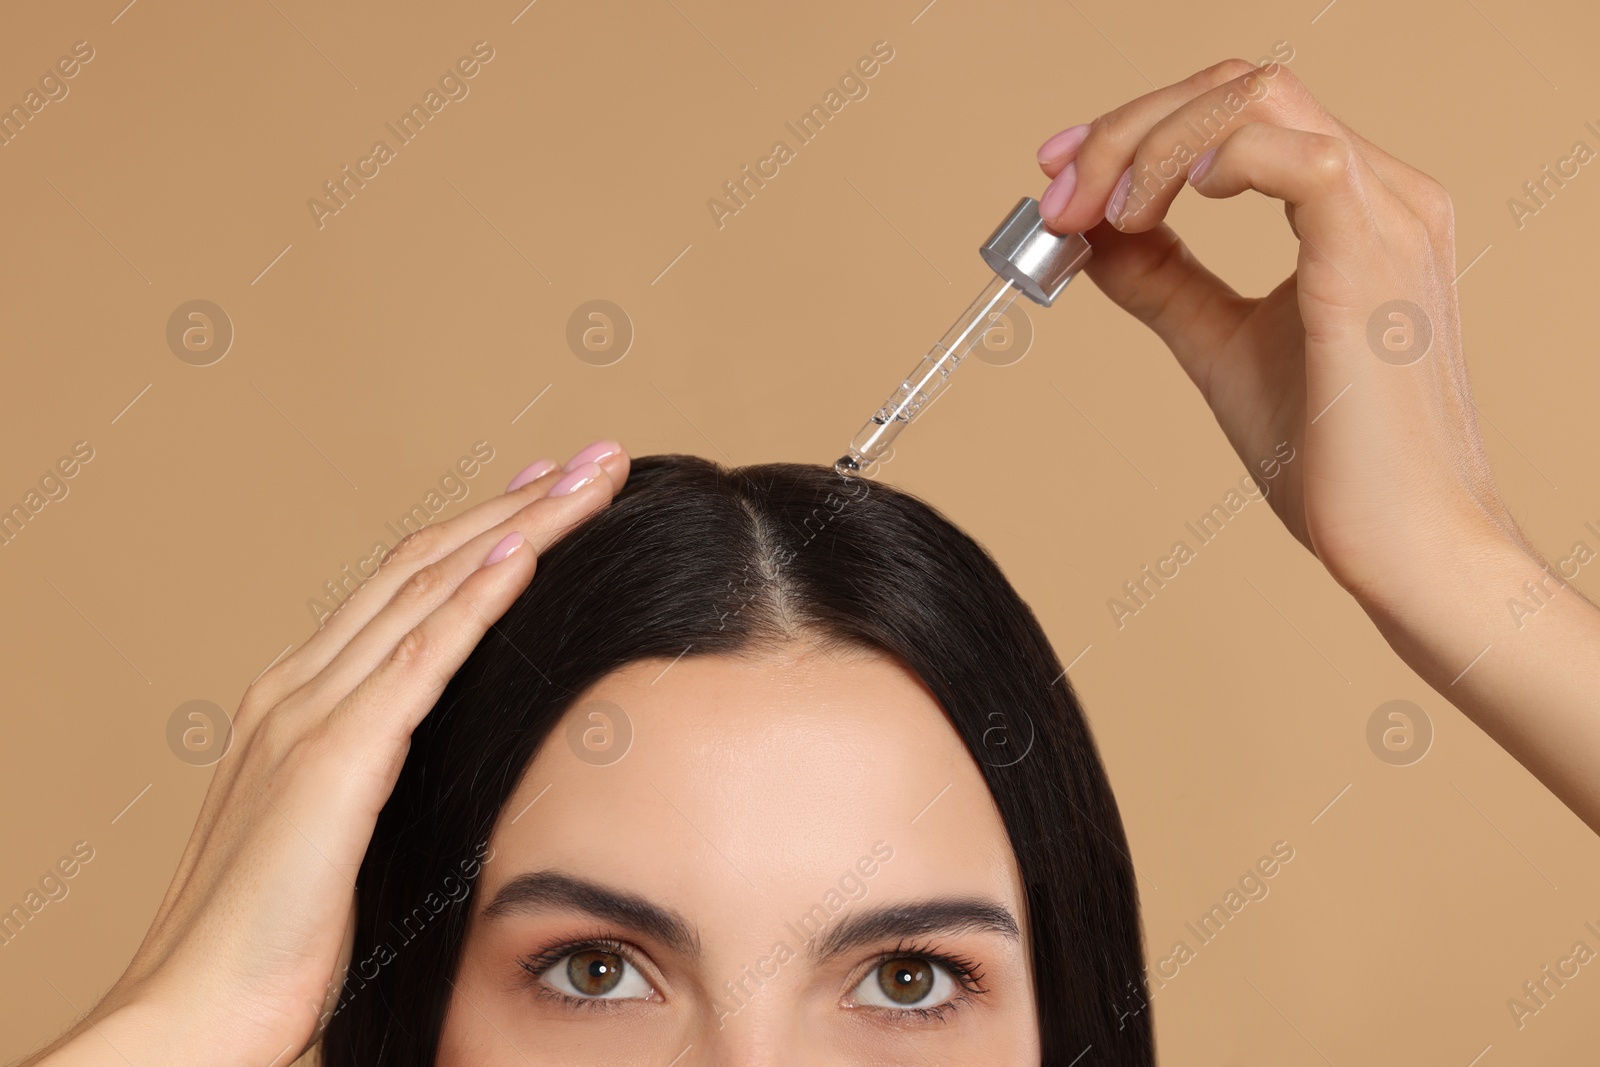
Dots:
pixel 370 355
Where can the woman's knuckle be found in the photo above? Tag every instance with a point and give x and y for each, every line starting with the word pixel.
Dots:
pixel 259 694
pixel 276 735
pixel 1109 128
pixel 296 750
pixel 252 710
pixel 1328 160
pixel 1418 234
pixel 1433 203
pixel 424 586
pixel 1289 80
pixel 412 651
pixel 415 548
pixel 1226 71
pixel 315 741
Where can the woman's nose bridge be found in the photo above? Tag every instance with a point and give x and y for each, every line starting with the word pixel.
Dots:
pixel 754 1050
pixel 768 1032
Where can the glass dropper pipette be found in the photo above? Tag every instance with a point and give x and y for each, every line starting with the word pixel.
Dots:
pixel 1028 259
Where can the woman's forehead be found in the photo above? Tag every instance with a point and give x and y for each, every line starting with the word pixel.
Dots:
pixel 707 777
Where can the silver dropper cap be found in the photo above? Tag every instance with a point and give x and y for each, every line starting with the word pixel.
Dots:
pixel 1037 260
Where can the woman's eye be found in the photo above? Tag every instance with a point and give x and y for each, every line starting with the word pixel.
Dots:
pixel 905 982
pixel 595 974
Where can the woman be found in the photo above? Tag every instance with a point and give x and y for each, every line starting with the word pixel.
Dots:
pixel 1391 493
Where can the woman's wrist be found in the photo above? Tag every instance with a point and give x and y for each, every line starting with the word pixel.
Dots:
pixel 1457 575
pixel 1504 635
pixel 1481 591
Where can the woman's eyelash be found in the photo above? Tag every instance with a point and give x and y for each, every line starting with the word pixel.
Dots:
pixel 967 972
pixel 541 961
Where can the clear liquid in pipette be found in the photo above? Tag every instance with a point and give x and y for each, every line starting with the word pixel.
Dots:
pixel 918 390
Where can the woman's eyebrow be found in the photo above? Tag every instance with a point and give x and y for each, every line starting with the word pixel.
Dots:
pixel 544 890
pixel 897 921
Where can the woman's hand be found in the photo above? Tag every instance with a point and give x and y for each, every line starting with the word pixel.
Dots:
pixel 1355 360
pixel 247 950
pixel 1389 465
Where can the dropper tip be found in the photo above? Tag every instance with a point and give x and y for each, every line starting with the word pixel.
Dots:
pixel 847 466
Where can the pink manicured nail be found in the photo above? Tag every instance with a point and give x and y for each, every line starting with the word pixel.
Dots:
pixel 1062 143
pixel 593 454
pixel 508 544
pixel 1056 196
pixel 577 479
pixel 537 469
pixel 1200 167
pixel 1119 197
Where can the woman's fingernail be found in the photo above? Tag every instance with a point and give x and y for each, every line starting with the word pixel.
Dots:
pixel 537 469
pixel 1200 167
pixel 592 454
pixel 577 479
pixel 507 545
pixel 1062 143
pixel 1059 193
pixel 1119 197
